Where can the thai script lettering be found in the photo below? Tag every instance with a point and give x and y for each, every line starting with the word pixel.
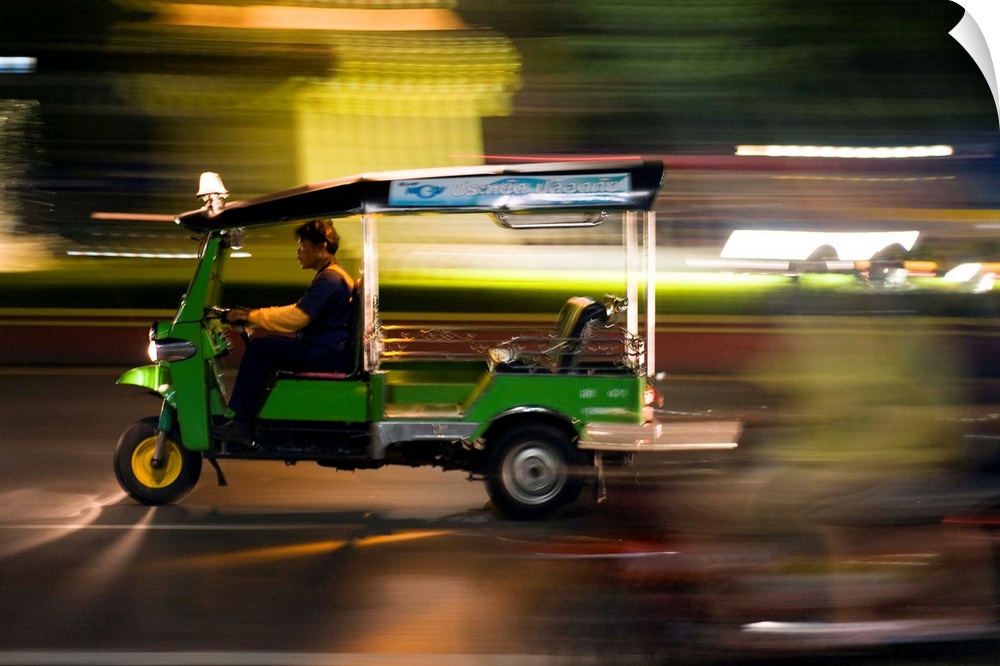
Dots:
pixel 509 191
pixel 529 186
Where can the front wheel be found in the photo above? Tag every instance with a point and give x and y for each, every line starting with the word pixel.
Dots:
pixel 165 483
pixel 533 472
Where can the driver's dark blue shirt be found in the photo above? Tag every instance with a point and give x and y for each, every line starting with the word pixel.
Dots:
pixel 327 302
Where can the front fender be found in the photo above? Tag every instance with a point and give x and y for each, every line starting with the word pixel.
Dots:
pixel 156 378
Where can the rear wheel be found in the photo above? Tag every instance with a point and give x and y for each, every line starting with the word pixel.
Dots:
pixel 145 482
pixel 533 471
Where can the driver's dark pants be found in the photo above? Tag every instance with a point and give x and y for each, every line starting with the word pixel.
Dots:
pixel 267 354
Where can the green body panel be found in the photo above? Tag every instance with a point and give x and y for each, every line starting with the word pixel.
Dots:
pixel 585 399
pixel 197 386
pixel 317 400
pixel 194 384
pixel 468 392
pixel 205 287
pixel 427 393
pixel 441 385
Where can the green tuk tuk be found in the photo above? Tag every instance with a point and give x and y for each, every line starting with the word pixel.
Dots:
pixel 535 416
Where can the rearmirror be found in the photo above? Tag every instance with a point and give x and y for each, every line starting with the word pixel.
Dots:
pixel 235 237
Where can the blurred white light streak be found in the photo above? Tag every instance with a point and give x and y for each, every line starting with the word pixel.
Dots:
pixel 962 273
pixel 549 158
pixel 871 632
pixel 799 245
pixel 17 64
pixel 846 152
pixel 976 277
pixel 866 179
pixel 758 266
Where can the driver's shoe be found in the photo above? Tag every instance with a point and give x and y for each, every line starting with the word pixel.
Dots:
pixel 234 430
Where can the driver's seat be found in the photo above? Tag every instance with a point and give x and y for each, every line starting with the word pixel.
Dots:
pixel 355 337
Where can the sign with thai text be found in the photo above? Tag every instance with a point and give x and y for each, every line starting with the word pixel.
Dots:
pixel 512 192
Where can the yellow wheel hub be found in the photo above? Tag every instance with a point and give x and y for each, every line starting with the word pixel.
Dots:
pixel 142 464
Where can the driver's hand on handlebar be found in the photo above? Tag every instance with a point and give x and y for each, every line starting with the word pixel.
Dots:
pixel 237 316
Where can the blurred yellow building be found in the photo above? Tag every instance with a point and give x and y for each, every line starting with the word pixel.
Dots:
pixel 352 86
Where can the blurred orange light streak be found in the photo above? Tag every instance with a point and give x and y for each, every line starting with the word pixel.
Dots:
pixel 396 538
pixel 308 18
pixel 262 555
pixel 278 553
pixel 132 217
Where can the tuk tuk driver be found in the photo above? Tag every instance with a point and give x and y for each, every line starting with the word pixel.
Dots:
pixel 312 333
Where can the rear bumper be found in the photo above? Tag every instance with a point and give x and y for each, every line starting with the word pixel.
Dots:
pixel 656 436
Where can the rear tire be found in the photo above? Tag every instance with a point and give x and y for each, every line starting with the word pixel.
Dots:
pixel 135 472
pixel 533 471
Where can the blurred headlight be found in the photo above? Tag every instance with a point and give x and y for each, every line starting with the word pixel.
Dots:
pixel 168 349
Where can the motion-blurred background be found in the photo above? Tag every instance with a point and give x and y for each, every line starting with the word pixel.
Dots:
pixel 112 108
pixel 775 116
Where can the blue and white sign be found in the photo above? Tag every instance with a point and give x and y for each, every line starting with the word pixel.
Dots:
pixel 512 192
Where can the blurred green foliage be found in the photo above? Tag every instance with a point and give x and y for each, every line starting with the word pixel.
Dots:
pixel 849 72
pixel 646 75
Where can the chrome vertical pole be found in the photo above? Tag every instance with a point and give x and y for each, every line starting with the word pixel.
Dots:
pixel 649 243
pixel 631 233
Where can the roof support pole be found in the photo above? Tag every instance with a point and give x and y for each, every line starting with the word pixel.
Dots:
pixel 370 291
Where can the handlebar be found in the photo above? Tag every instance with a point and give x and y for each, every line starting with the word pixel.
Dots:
pixel 222 314
pixel 216 312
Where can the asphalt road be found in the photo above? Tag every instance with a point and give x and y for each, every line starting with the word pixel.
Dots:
pixel 305 565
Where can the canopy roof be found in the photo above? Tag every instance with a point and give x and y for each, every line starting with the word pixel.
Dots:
pixel 536 187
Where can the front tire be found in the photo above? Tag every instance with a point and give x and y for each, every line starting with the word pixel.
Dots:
pixel 532 472
pixel 166 484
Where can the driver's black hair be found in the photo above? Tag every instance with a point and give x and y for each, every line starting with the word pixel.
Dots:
pixel 320 231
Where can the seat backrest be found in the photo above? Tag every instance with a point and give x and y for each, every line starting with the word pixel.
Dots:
pixel 575 315
pixel 355 338
pixel 356 329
